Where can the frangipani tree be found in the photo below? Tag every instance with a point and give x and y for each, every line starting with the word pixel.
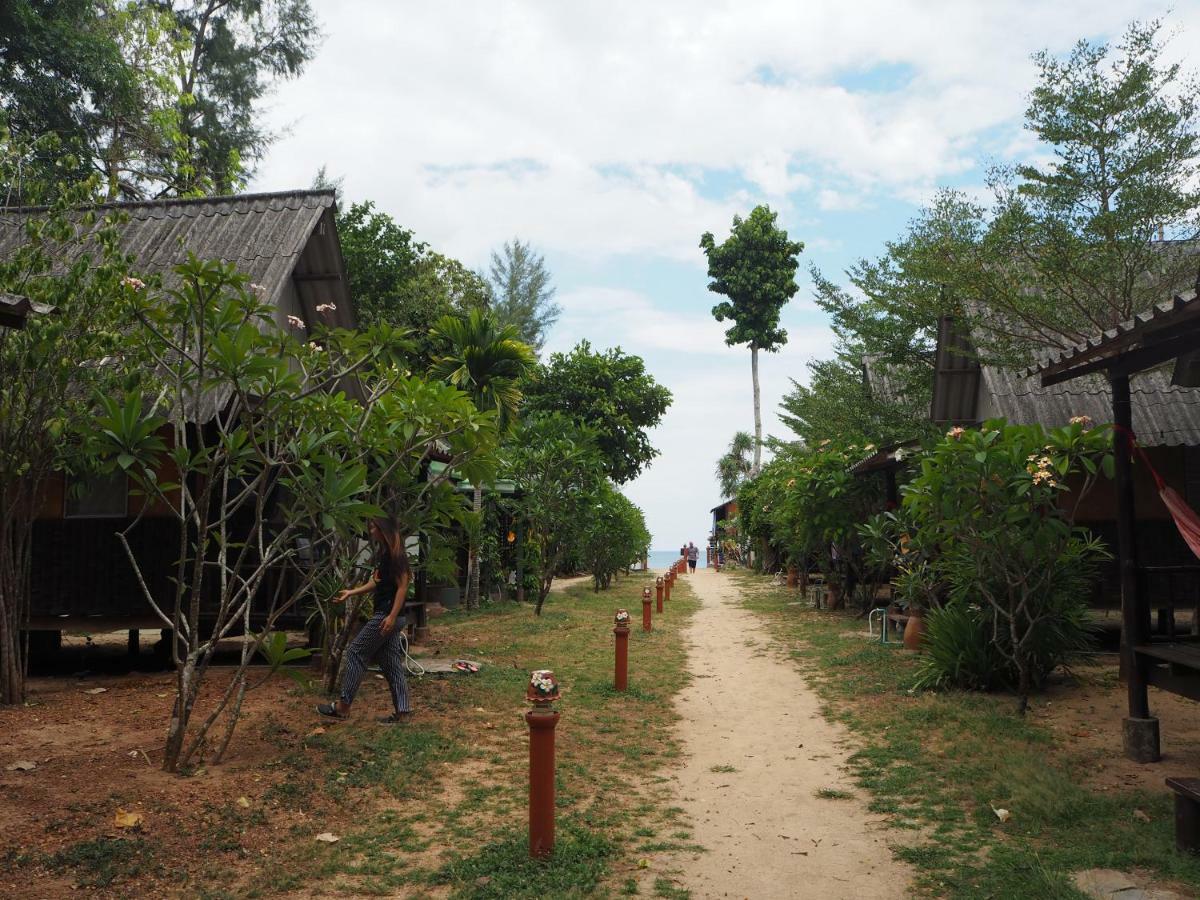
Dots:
pixel 268 449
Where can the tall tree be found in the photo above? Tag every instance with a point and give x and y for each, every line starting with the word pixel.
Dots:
pixel 522 295
pixel 734 466
pixel 487 361
pixel 1079 233
pixel 755 269
pixel 610 392
pixel 158 96
pixel 399 280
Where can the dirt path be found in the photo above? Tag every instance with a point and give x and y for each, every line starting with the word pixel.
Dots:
pixel 766 831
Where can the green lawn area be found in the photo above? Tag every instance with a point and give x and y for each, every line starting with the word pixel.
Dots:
pixel 940 764
pixel 443 800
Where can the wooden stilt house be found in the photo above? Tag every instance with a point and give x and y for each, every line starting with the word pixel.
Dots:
pixel 287 244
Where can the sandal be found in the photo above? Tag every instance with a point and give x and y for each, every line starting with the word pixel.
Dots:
pixel 394 718
pixel 329 710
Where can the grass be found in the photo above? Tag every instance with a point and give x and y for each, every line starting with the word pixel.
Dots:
pixel 443 799
pixel 939 764
pixel 833 794
pixel 104 861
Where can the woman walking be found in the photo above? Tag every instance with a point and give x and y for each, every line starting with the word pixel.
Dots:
pixel 382 636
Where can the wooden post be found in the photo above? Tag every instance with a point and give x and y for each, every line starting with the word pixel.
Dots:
pixel 1140 728
pixel 621 630
pixel 542 719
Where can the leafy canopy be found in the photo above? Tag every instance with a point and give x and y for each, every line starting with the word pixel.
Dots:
pixel 755 269
pixel 484 359
pixel 611 393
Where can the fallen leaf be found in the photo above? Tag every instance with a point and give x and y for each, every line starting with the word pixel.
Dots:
pixel 243 802
pixel 643 863
pixel 21 765
pixel 1140 816
pixel 124 819
pixel 326 837
pixel 96 691
pixel 316 731
pixel 480 709
pixel 160 695
pixel 1002 814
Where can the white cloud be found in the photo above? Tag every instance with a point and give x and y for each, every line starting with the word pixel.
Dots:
pixel 616 132
pixel 478 120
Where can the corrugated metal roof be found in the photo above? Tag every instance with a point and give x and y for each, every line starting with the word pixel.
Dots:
pixel 269 237
pixel 1126 335
pixel 1163 414
pixel 262 234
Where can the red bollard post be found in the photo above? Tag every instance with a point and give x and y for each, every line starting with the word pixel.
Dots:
pixel 659 599
pixel 646 618
pixel 621 630
pixel 542 692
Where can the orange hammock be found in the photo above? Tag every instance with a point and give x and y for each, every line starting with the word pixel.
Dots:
pixel 1186 519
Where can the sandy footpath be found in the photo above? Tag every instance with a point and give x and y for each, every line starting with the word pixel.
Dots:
pixel 766 832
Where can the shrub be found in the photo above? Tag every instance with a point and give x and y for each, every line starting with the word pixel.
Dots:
pixel 986 515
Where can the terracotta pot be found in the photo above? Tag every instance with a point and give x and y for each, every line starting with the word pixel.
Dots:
pixel 914 632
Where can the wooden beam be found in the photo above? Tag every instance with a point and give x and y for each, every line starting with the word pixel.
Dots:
pixel 1131 597
pixel 1149 352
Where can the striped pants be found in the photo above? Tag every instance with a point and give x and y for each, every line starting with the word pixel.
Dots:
pixel 371 644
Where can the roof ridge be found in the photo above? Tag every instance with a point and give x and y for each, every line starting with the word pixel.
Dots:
pixel 167 202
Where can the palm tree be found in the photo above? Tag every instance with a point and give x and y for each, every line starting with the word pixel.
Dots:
pixel 734 467
pixel 487 361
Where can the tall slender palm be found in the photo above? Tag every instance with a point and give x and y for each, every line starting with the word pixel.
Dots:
pixel 487 361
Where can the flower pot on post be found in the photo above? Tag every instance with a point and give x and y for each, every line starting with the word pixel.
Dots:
pixel 621 630
pixel 542 719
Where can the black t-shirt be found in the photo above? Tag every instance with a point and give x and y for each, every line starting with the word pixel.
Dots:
pixel 386 582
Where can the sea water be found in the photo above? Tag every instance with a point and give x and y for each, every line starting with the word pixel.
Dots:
pixel 660 559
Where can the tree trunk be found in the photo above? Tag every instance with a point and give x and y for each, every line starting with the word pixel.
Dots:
pixel 757 411
pixel 473 557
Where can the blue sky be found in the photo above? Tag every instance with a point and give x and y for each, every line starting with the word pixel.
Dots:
pixel 612 135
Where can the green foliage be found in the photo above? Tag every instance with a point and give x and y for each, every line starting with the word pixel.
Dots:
pixel 1069 249
pixel 559 469
pixel 614 535
pixel 485 359
pixel 49 369
pixel 609 392
pixel 985 513
pixel 521 295
pixel 156 98
pixel 398 280
pixel 755 270
pixel 284 470
pixel 734 467
pixel 274 649
pixel 808 505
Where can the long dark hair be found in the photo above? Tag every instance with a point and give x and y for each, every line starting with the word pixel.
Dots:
pixel 389 544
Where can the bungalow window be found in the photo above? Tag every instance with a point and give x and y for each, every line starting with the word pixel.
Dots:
pixel 99 497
